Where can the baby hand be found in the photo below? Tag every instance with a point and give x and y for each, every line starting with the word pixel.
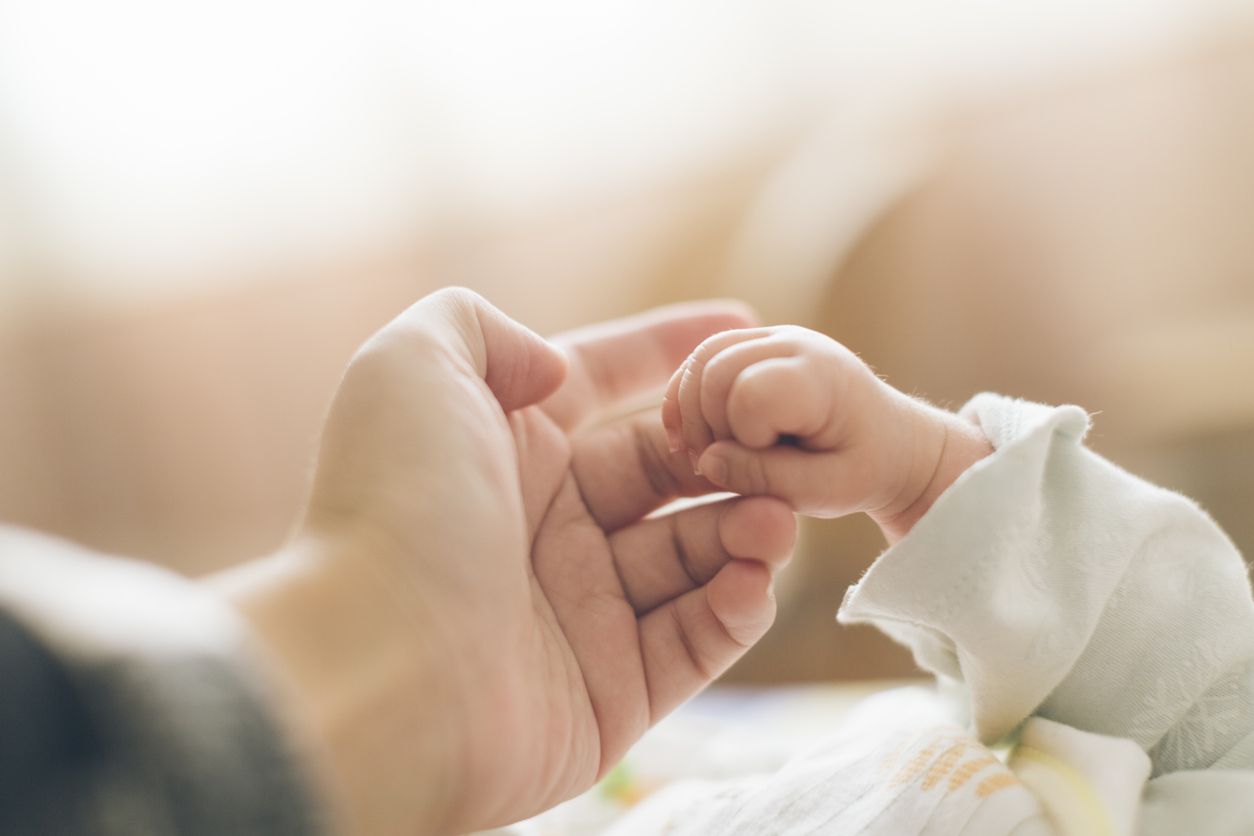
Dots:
pixel 789 412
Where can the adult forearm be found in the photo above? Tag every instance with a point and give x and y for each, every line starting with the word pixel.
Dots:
pixel 353 677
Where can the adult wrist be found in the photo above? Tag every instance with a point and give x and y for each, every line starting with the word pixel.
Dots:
pixel 356 684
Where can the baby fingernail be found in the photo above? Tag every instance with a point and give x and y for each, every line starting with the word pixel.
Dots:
pixel 692 459
pixel 673 439
pixel 714 469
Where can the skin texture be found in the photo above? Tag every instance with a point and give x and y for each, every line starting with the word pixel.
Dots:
pixel 788 412
pixel 476 615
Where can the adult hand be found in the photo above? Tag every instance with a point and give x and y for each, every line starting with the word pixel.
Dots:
pixel 498 616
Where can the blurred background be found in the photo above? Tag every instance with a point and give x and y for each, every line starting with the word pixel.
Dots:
pixel 204 208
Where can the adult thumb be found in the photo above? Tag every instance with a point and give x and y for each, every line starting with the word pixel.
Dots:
pixel 518 365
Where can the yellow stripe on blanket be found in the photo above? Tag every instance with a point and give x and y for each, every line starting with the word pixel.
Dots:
pixel 1065 791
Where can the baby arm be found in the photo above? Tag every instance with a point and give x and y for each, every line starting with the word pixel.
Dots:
pixel 1049 583
pixel 791 413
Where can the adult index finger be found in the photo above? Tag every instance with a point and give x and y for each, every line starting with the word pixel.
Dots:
pixel 613 361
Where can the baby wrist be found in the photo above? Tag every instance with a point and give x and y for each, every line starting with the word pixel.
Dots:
pixel 943 445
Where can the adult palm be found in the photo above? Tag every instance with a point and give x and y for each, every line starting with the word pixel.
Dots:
pixel 506 505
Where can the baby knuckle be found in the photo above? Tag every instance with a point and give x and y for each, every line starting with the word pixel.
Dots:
pixel 800 340
pixel 796 332
pixel 833 353
pixel 749 387
pixel 706 349
pixel 793 378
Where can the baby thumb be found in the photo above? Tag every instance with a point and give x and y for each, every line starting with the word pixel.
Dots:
pixel 802 478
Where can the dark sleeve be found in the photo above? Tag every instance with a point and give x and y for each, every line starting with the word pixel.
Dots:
pixel 117 718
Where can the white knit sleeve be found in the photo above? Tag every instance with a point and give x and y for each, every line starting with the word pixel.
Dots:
pixel 1049 582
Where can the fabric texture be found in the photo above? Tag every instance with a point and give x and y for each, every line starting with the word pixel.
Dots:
pixel 1086 783
pixel 899 766
pixel 129 705
pixel 1048 582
